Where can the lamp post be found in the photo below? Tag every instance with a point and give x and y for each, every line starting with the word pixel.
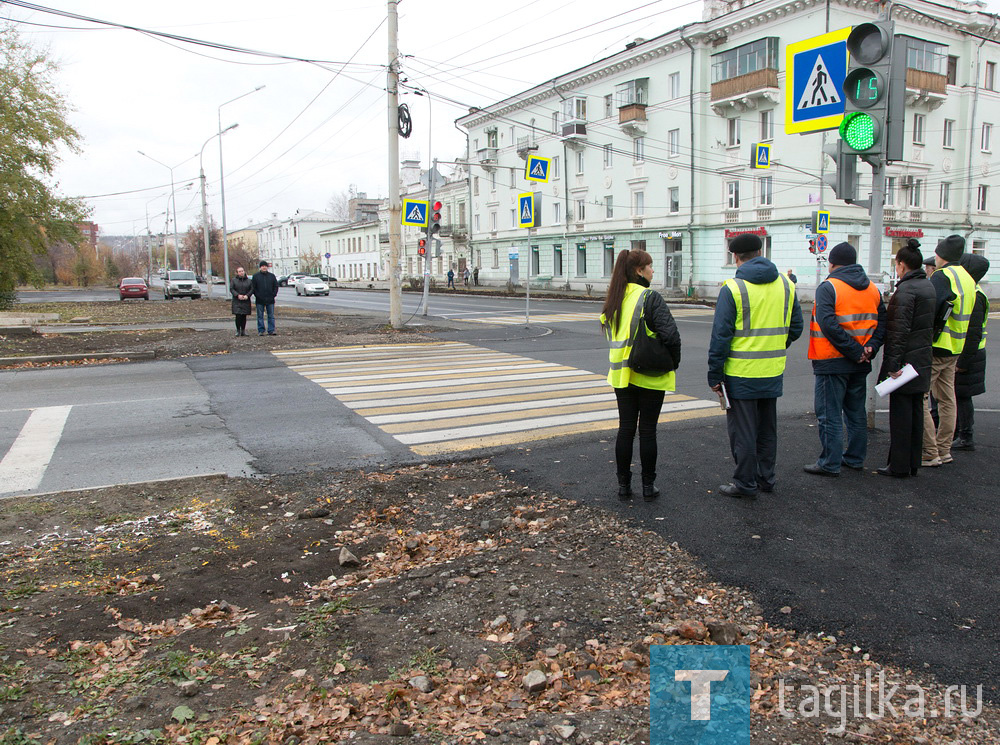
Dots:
pixel 173 200
pixel 149 241
pixel 204 207
pixel 222 185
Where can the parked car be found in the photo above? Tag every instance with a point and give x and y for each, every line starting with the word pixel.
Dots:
pixel 325 277
pixel 133 287
pixel 200 278
pixel 309 285
pixel 289 281
pixel 180 283
pixel 217 280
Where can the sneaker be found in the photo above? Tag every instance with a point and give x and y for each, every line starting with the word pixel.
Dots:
pixel 946 459
pixel 962 444
pixel 932 463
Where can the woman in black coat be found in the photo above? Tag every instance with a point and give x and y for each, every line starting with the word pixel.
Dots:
pixel 970 371
pixel 908 337
pixel 239 287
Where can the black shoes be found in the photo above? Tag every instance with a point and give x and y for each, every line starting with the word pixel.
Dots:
pixel 624 492
pixel 817 471
pixel 731 490
pixel 649 492
pixel 961 444
pixel 885 471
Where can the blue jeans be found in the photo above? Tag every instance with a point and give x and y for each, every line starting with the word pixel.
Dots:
pixel 840 399
pixel 260 317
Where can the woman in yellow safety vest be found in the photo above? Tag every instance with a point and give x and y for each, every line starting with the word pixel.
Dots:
pixel 632 308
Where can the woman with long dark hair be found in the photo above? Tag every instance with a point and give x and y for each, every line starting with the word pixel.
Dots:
pixel 632 308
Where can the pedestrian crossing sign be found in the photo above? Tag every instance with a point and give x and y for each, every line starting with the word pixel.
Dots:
pixel 816 69
pixel 760 155
pixel 537 168
pixel 415 213
pixel 821 221
pixel 526 210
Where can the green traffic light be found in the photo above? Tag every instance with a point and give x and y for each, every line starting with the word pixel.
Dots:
pixel 859 131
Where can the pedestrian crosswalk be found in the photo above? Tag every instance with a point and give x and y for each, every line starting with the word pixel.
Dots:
pixel 515 318
pixel 451 397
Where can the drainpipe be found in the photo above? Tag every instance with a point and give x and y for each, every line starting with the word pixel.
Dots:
pixel 468 183
pixel 690 225
pixel 972 135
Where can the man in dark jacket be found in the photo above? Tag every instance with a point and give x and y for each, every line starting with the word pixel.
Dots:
pixel 757 317
pixel 909 331
pixel 970 370
pixel 264 286
pixel 848 324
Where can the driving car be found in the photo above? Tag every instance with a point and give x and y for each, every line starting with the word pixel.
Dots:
pixel 133 287
pixel 289 281
pixel 217 280
pixel 309 285
pixel 180 283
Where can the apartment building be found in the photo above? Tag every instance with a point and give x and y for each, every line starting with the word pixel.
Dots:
pixel 294 244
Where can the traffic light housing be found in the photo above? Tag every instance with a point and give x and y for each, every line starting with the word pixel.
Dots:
pixel 434 224
pixel 812 245
pixel 844 179
pixel 874 92
pixel 421 246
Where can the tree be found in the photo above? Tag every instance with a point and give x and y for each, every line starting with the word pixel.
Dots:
pixel 33 127
pixel 193 248
pixel 339 206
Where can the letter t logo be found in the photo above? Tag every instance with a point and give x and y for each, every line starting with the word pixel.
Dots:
pixel 701 690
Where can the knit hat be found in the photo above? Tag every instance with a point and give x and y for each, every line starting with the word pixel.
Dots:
pixel 951 248
pixel 843 254
pixel 975 265
pixel 745 243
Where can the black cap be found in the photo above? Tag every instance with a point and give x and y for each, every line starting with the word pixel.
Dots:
pixel 745 243
pixel 951 248
pixel 843 254
pixel 263 262
pixel 929 261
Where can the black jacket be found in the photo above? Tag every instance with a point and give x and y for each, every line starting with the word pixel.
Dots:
pixel 660 320
pixel 240 286
pixel 826 301
pixel 971 381
pixel 265 287
pixel 909 330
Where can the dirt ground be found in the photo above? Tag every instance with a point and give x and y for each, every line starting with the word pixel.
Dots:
pixel 229 611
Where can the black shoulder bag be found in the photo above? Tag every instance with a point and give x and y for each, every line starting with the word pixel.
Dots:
pixel 650 354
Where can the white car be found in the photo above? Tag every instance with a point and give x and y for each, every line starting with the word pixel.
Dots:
pixel 311 286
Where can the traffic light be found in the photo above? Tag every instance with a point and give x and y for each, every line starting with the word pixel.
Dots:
pixel 844 179
pixel 874 92
pixel 422 246
pixel 812 245
pixel 434 225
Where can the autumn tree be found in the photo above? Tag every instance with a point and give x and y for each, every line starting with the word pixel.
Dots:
pixel 241 253
pixel 193 248
pixel 33 128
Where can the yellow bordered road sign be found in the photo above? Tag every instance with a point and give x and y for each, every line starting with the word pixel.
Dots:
pixel 526 210
pixel 814 84
pixel 537 168
pixel 415 213
pixel 760 155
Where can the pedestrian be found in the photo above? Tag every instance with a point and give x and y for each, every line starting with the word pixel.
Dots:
pixel 631 308
pixel 757 317
pixel 451 279
pixel 264 287
pixel 970 370
pixel 929 266
pixel 909 331
pixel 955 290
pixel 475 276
pixel 791 276
pixel 465 276
pixel 846 332
pixel 239 288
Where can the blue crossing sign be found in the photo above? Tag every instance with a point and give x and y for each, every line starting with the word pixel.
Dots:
pixel 821 221
pixel 814 96
pixel 537 168
pixel 526 210
pixel 760 155
pixel 415 213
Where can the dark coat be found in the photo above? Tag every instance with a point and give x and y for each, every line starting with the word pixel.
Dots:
pixel 264 287
pixel 826 301
pixel 240 286
pixel 971 381
pixel 660 321
pixel 758 271
pixel 909 330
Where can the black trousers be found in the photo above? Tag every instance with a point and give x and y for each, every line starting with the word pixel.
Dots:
pixel 241 322
pixel 637 408
pixel 906 431
pixel 965 423
pixel 753 438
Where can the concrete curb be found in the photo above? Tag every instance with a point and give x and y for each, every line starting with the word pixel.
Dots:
pixel 214 476
pixel 129 356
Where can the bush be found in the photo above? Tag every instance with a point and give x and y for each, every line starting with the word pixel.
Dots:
pixel 8 299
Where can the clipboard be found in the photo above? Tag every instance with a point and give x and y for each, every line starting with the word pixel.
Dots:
pixel 724 398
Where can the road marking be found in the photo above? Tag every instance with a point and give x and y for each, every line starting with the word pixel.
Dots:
pixel 513 318
pixel 23 467
pixel 450 397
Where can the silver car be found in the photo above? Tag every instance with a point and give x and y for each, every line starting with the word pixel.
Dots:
pixel 311 286
pixel 180 283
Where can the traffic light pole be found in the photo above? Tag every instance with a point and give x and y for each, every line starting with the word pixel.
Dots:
pixel 431 183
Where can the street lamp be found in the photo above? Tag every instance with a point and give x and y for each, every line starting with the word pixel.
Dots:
pixel 173 199
pixel 222 185
pixel 204 206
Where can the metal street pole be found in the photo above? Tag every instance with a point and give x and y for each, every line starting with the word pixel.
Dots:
pixel 222 187
pixel 428 248
pixel 395 206
pixel 173 199
pixel 204 206
pixel 875 259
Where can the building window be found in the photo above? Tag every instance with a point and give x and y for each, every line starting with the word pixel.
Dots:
pixel 673 143
pixel 581 210
pixel 945 200
pixel 952 70
pixel 916 192
pixel 555 167
pixel 926 56
pixel 733 128
pixel 581 259
pixel 987 137
pixel 491 138
pixel 493 181
pixel 496 257
pixel 575 109
pixel 733 195
pixel 475 185
pixel 493 222
pixel 513 178
pixel 674 195
pixel 556 213
pixel 918 129
pixel 607 155
pixel 579 162
pixel 767 125
pixel 757 55
pixel 609 258
pixel 991 76
pixel 890 191
pixel 608 105
pixel 632 92
pixel 534 261
pixel 639 149
pixel 766 190
pixel 555 123
pixel 557 267
pixel 609 207
pixel 477 223
pixel 948 136
pixel 979 248
pixel 982 194
pixel 674 80
pixel 640 204
pixel 513 218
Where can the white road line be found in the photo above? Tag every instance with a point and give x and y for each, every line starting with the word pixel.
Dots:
pixel 389 400
pixel 455 372
pixel 451 383
pixel 542 403
pixel 24 465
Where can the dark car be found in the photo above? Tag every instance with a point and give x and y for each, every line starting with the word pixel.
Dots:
pixel 133 287
pixel 289 281
pixel 324 277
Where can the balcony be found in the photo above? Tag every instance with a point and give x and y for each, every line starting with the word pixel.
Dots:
pixel 487 156
pixel 525 145
pixel 926 89
pixel 745 92
pixel 574 133
pixel 632 119
pixel 383 237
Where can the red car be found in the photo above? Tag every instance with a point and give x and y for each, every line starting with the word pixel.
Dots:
pixel 133 287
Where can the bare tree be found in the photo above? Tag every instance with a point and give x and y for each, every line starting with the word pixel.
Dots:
pixel 339 205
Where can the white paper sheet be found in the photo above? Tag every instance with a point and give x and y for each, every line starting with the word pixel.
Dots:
pixel 888 385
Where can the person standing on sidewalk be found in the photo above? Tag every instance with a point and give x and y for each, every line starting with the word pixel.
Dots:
pixel 629 308
pixel 956 295
pixel 264 287
pixel 451 278
pixel 909 331
pixel 848 324
pixel 757 317
pixel 970 370
pixel 475 276
pixel 239 288
pixel 465 276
